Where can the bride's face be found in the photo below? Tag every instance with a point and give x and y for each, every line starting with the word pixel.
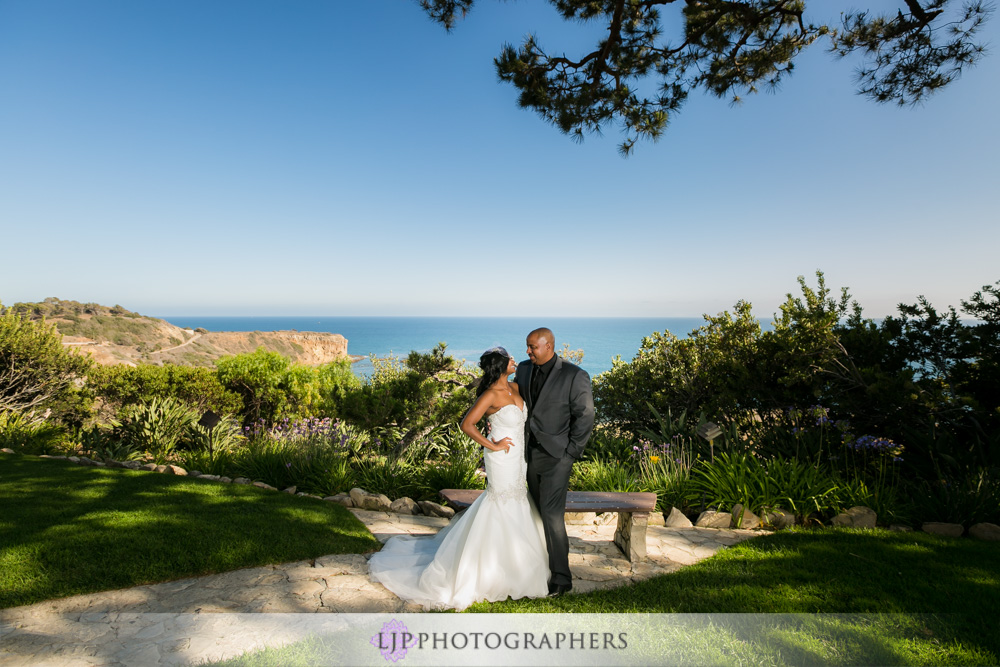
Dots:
pixel 511 365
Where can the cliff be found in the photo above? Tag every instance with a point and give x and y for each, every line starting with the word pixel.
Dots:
pixel 118 336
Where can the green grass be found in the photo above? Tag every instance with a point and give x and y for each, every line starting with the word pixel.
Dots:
pixel 67 529
pixel 926 599
pixel 807 597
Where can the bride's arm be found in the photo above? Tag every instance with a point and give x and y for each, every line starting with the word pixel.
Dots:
pixel 472 418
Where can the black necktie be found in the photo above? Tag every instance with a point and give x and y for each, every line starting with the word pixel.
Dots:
pixel 536 383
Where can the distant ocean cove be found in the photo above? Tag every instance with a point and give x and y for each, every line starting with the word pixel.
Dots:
pixel 601 339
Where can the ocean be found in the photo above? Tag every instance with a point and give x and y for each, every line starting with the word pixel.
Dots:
pixel 600 338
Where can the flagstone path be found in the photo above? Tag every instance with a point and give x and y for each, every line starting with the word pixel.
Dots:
pixel 188 621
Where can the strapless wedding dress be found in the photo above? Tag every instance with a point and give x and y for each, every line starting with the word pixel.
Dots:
pixel 492 551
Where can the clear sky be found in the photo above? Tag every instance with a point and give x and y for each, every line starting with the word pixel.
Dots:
pixel 351 158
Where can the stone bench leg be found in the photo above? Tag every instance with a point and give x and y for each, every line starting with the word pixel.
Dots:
pixel 630 535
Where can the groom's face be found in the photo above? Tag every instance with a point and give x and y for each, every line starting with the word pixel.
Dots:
pixel 539 349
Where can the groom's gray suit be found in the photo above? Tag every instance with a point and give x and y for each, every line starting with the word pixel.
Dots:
pixel 558 427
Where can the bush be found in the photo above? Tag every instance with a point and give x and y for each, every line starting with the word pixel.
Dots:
pixel 665 469
pixel 603 475
pixel 416 396
pixel 270 386
pixel 967 500
pixel 103 445
pixel 155 427
pixel 30 434
pixel 36 371
pixel 120 386
pixel 763 485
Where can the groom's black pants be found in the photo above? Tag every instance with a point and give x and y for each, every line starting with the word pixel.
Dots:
pixel 548 482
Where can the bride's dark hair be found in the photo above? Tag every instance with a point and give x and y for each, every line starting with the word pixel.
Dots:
pixel 494 365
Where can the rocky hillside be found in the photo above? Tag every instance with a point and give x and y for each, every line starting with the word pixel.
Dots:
pixel 115 335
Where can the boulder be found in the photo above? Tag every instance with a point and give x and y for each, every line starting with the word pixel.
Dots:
pixel 580 518
pixel 404 506
pixel 433 509
pixel 899 528
pixel 177 470
pixel 744 518
pixel 340 499
pixel 376 502
pixel 779 519
pixel 151 467
pixel 264 485
pixel 163 469
pixel 7 450
pixel 656 519
pixel 290 490
pixel 241 480
pixel 226 480
pixel 195 473
pixel 74 459
pixel 676 519
pixel 213 478
pixel 985 531
pixel 856 517
pixel 946 529
pixel 606 519
pixel 131 465
pixel 111 463
pixel 713 519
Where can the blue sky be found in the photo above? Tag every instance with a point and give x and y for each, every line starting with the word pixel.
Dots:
pixel 334 158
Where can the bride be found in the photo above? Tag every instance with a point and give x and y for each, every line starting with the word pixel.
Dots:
pixel 496 548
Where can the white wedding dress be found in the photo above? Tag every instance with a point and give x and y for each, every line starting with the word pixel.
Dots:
pixel 494 550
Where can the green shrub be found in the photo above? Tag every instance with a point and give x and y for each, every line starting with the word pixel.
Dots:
pixel 393 477
pixel 155 427
pixel 970 499
pixel 103 445
pixel 417 396
pixel 270 386
pixel 456 467
pixel 763 485
pixel 30 434
pixel 665 469
pixel 603 475
pixel 36 371
pixel 313 454
pixel 222 461
pixel 120 386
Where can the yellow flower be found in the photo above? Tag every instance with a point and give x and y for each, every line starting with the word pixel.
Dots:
pixel 654 459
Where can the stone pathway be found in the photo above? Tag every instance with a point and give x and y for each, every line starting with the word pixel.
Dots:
pixel 153 625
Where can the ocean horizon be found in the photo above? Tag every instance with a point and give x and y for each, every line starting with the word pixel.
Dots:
pixel 600 338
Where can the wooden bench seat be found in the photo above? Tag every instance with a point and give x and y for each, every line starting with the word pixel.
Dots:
pixel 633 513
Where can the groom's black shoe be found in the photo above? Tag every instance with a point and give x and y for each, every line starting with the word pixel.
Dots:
pixel 555 590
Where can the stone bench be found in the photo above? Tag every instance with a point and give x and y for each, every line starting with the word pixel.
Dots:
pixel 633 513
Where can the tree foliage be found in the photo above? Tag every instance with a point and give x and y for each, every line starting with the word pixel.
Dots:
pixel 272 387
pixel 417 395
pixel 120 386
pixel 922 378
pixel 36 371
pixel 637 75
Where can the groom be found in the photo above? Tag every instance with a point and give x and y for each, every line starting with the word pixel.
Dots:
pixel 560 419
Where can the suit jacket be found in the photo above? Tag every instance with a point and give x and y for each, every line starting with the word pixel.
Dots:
pixel 563 418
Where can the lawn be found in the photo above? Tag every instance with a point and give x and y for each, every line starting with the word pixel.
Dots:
pixel 67 529
pixel 805 597
pixel 911 598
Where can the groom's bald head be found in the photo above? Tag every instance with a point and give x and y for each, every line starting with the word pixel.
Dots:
pixel 541 345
